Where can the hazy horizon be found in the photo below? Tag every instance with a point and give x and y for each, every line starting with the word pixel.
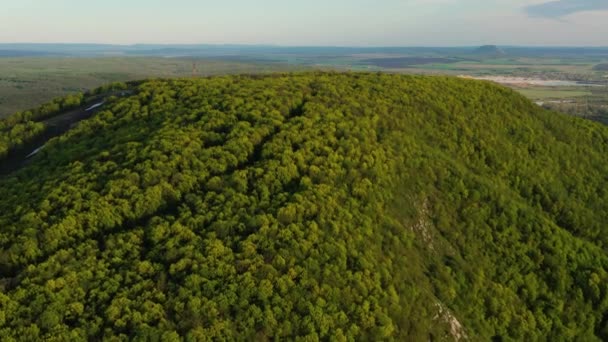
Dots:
pixel 355 23
pixel 270 45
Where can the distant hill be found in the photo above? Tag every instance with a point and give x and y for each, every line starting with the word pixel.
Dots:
pixel 489 50
pixel 312 207
pixel 26 53
pixel 267 50
pixel 601 67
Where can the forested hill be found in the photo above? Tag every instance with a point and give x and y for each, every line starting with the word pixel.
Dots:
pixel 320 206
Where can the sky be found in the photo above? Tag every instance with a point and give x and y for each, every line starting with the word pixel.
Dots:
pixel 308 23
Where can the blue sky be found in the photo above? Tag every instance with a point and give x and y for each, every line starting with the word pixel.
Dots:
pixel 311 22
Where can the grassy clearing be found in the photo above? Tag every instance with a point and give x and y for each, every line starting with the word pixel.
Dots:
pixel 552 93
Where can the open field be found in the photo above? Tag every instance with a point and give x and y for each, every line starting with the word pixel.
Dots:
pixel 404 62
pixel 574 71
pixel 551 93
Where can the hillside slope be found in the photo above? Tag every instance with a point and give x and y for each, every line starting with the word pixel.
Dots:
pixel 319 206
pixel 489 50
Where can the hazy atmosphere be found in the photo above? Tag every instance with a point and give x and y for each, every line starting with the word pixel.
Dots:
pixel 314 22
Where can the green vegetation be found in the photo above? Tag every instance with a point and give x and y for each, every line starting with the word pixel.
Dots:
pixel 22 127
pixel 30 82
pixel 591 105
pixel 553 93
pixel 318 206
pixel 16 131
pixel 546 68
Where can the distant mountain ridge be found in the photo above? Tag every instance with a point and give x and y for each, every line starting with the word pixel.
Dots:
pixel 210 50
pixel 601 67
pixel 490 50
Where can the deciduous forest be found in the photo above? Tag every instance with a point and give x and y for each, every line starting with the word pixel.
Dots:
pixel 311 206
